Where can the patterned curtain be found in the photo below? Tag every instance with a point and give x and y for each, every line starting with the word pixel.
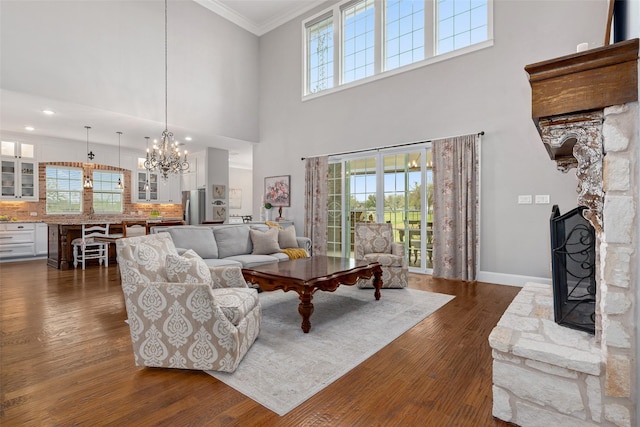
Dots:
pixel 316 200
pixel 455 204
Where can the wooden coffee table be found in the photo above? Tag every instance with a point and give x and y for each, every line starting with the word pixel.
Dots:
pixel 307 275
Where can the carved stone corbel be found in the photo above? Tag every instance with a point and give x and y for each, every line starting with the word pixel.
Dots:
pixel 576 141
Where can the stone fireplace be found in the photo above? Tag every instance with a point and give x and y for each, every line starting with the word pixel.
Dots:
pixel 586 109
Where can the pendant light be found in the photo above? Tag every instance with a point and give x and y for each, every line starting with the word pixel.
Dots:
pixel 88 183
pixel 119 185
pixel 146 183
pixel 166 158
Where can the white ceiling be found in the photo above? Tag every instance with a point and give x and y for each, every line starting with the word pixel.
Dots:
pixel 19 109
pixel 259 16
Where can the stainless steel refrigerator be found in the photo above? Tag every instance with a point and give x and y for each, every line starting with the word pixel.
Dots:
pixel 194 207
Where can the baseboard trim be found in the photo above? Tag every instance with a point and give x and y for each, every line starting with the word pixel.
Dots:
pixel 20 259
pixel 510 279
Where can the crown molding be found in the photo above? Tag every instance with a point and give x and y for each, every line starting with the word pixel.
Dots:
pixel 257 28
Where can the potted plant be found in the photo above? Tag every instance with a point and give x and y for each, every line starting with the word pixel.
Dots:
pixel 267 210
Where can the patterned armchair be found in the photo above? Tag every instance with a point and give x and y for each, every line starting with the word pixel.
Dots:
pixel 374 242
pixel 181 313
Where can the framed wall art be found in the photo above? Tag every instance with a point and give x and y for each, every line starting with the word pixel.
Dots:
pixel 277 190
pixel 219 191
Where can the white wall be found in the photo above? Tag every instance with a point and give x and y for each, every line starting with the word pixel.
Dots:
pixel 109 55
pixel 50 149
pixel 217 161
pixel 242 179
pixel 633 19
pixel 487 90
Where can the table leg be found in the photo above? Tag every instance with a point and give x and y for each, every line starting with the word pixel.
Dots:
pixel 306 309
pixel 377 281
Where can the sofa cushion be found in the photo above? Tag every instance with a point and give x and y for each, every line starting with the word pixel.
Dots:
pixel 264 242
pixel 280 256
pixel 232 240
pixel 235 303
pixel 200 239
pixel 188 268
pixel 224 262
pixel 249 260
pixel 287 238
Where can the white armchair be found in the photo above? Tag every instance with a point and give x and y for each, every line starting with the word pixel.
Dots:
pixel 181 313
pixel 375 242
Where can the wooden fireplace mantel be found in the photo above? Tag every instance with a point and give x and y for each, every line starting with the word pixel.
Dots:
pixel 584 81
pixel 568 96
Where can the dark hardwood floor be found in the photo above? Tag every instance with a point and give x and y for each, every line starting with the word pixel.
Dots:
pixel 66 360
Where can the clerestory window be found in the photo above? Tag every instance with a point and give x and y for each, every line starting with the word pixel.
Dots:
pixel 361 40
pixel 461 24
pixel 319 69
pixel 358 40
pixel 404 33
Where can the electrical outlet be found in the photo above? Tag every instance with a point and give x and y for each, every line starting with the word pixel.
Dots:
pixel 542 199
pixel 524 199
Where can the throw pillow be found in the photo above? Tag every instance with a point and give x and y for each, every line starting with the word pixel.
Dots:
pixel 265 242
pixel 150 254
pixel 287 238
pixel 188 268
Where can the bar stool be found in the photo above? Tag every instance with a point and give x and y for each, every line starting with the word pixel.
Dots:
pixel 89 247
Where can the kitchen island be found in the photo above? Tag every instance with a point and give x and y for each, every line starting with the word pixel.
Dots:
pixel 62 233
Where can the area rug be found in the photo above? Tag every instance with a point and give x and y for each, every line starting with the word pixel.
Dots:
pixel 285 366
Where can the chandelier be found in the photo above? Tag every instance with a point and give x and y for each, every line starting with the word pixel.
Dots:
pixel 165 156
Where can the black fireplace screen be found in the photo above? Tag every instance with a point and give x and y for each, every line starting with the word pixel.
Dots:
pixel 573 253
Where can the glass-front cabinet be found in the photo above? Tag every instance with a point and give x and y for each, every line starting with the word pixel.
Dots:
pixel 147 187
pixel 19 171
pixel 152 188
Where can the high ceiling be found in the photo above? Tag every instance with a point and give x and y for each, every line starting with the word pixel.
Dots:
pixel 259 16
pixel 19 109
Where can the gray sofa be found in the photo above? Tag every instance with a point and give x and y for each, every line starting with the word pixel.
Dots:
pixel 225 245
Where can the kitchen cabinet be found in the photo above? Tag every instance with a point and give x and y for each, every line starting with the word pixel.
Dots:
pixel 19 171
pixel 188 179
pixel 147 187
pixel 152 188
pixel 17 240
pixel 42 237
pixel 169 189
pixel 199 160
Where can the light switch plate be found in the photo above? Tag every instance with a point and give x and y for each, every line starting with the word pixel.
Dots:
pixel 542 199
pixel 524 199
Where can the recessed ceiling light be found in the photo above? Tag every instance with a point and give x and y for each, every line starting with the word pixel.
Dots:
pixel 187 138
pixel 29 128
pixel 48 112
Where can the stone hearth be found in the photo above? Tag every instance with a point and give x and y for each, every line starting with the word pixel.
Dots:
pixel 586 109
pixel 546 374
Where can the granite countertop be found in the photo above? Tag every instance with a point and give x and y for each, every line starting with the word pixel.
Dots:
pixel 109 221
pixel 23 221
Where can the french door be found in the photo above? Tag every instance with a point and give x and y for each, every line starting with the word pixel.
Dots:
pixel 393 186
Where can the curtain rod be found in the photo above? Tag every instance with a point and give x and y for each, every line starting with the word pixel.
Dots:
pixel 384 148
